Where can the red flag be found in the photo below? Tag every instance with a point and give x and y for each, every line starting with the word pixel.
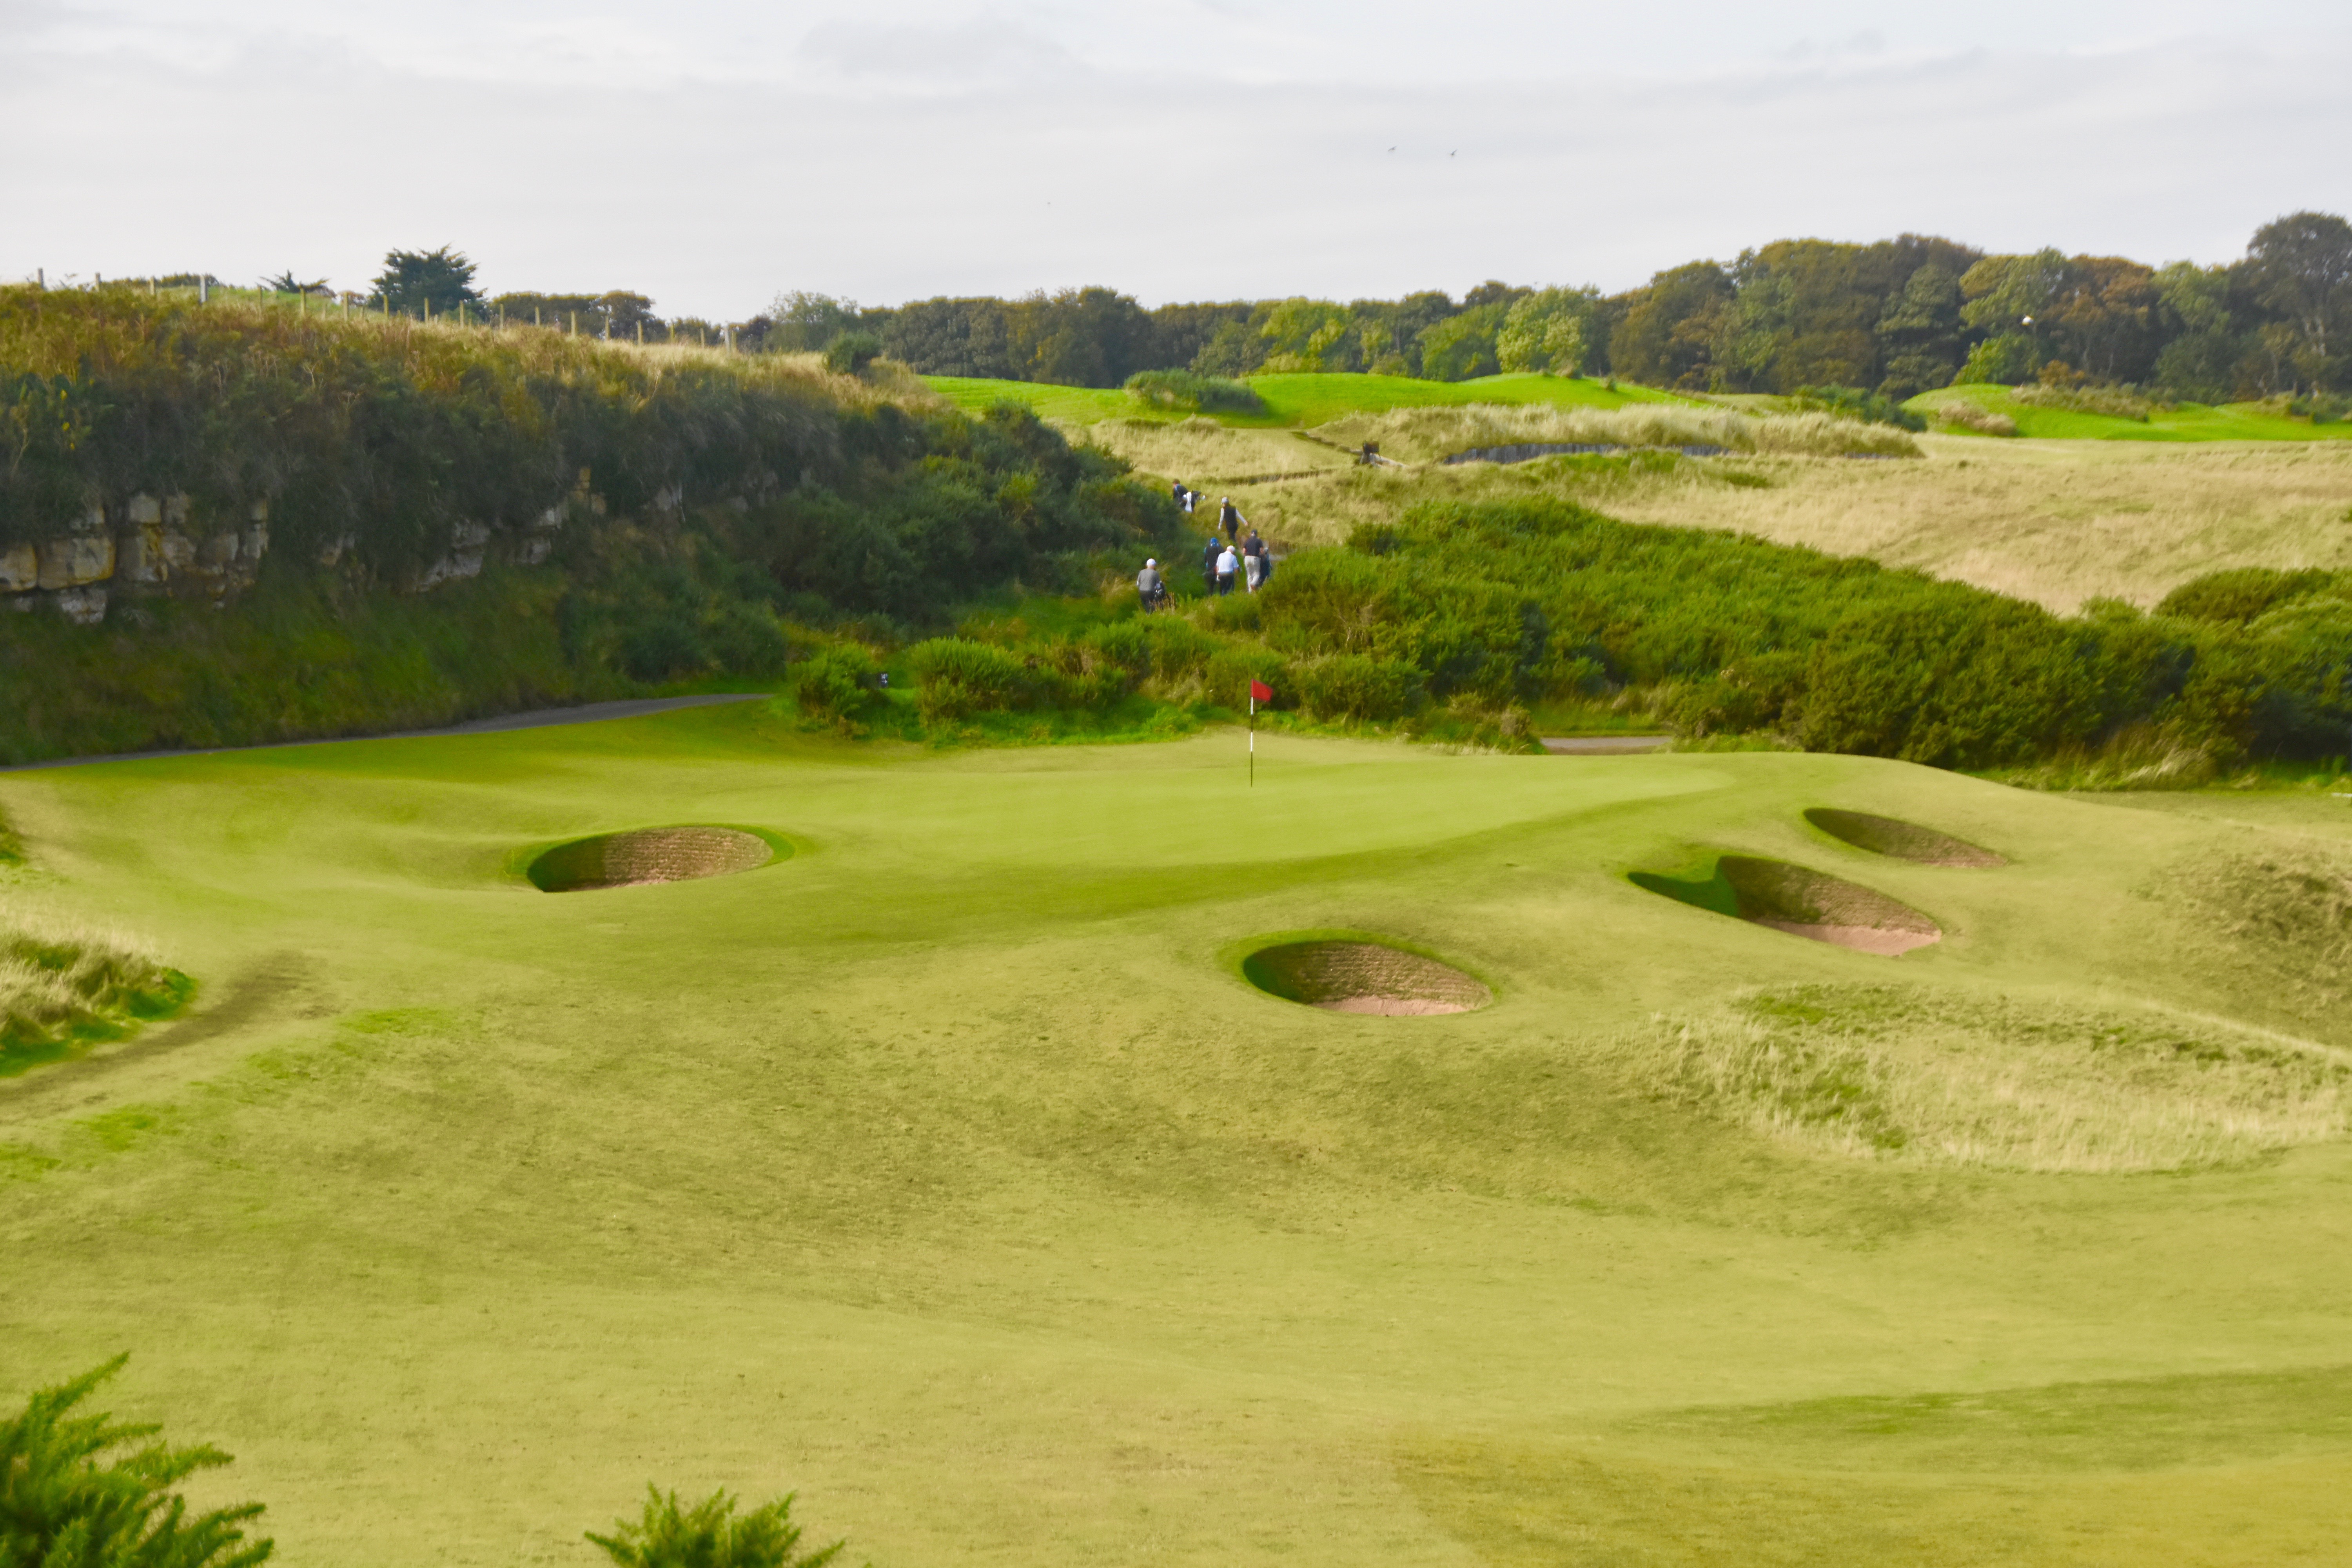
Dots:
pixel 1260 692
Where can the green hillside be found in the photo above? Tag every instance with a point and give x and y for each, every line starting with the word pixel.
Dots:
pixel 950 1170
pixel 1304 400
pixel 2185 422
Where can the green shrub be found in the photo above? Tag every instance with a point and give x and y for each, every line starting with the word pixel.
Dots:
pixel 2114 401
pixel 710 1534
pixel 1968 416
pixel 851 353
pixel 85 1491
pixel 1853 403
pixel 834 683
pixel 1349 686
pixel 2241 595
pixel 1180 391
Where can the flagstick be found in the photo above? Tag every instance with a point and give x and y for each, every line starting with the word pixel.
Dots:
pixel 1253 737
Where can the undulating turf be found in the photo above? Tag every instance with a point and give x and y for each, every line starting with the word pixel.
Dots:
pixel 952 1171
pixel 1302 400
pixel 2186 421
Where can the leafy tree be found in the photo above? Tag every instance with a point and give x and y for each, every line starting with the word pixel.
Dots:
pixel 2302 271
pixel 1078 337
pixel 1919 333
pixel 1673 330
pixel 1179 332
pixel 851 353
pixel 710 1535
pixel 1310 336
pixel 1462 346
pixel 1544 330
pixel 802 322
pixel 413 279
pixel 287 283
pixel 2204 341
pixel 64 1503
pixel 950 337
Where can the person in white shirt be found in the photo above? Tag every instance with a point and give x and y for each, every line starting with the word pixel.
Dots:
pixel 1228 563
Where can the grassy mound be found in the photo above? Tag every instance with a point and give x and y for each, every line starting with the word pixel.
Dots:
pixel 650 855
pixel 63 990
pixel 1902 840
pixel 2030 410
pixel 1354 976
pixel 1880 1072
pixel 1802 902
pixel 1427 435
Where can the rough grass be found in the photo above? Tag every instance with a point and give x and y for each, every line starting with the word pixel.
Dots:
pixel 1892 1074
pixel 1427 435
pixel 1205 454
pixel 66 987
pixel 2063 417
pixel 2057 522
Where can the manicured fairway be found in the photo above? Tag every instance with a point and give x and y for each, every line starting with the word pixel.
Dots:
pixel 948 1171
pixel 1303 399
pixel 2188 422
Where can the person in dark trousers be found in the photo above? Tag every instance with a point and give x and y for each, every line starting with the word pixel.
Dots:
pixel 1209 565
pixel 1149 584
pixel 1229 518
pixel 1228 564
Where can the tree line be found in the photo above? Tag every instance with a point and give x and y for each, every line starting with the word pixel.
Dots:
pixel 1893 317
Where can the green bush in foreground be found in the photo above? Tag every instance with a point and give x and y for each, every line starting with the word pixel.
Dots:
pixel 72 1497
pixel 710 1535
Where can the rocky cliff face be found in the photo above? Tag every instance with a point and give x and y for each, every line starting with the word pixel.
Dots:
pixel 152 545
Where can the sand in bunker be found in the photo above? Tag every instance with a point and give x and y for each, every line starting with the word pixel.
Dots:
pixel 652 855
pixel 1861 939
pixel 1392 1007
pixel 1364 977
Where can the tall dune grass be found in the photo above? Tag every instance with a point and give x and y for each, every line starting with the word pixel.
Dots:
pixel 1879 1073
pixel 1426 434
pixel 64 988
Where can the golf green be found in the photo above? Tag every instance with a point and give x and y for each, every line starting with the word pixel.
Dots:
pixel 949 1168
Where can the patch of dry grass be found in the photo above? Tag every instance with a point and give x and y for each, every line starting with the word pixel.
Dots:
pixel 2059 523
pixel 1880 1073
pixel 1205 454
pixel 62 986
pixel 1428 435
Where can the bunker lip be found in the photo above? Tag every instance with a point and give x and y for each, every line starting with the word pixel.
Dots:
pixel 1900 840
pixel 1800 901
pixel 645 855
pixel 1362 975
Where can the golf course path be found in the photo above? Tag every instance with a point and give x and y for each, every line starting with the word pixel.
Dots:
pixel 534 719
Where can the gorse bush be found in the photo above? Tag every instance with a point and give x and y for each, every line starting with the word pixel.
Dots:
pixel 711 1534
pixel 1856 402
pixel 1483 609
pixel 851 353
pixel 2114 401
pixel 1186 391
pixel 87 1492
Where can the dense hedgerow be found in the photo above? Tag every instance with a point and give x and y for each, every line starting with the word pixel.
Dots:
pixel 730 494
pixel 1476 609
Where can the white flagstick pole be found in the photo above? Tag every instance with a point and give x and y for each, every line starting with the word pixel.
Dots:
pixel 1253 736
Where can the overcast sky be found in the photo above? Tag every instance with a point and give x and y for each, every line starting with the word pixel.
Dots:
pixel 712 152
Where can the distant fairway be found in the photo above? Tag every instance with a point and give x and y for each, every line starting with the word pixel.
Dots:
pixel 2188 422
pixel 950 1169
pixel 1300 400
